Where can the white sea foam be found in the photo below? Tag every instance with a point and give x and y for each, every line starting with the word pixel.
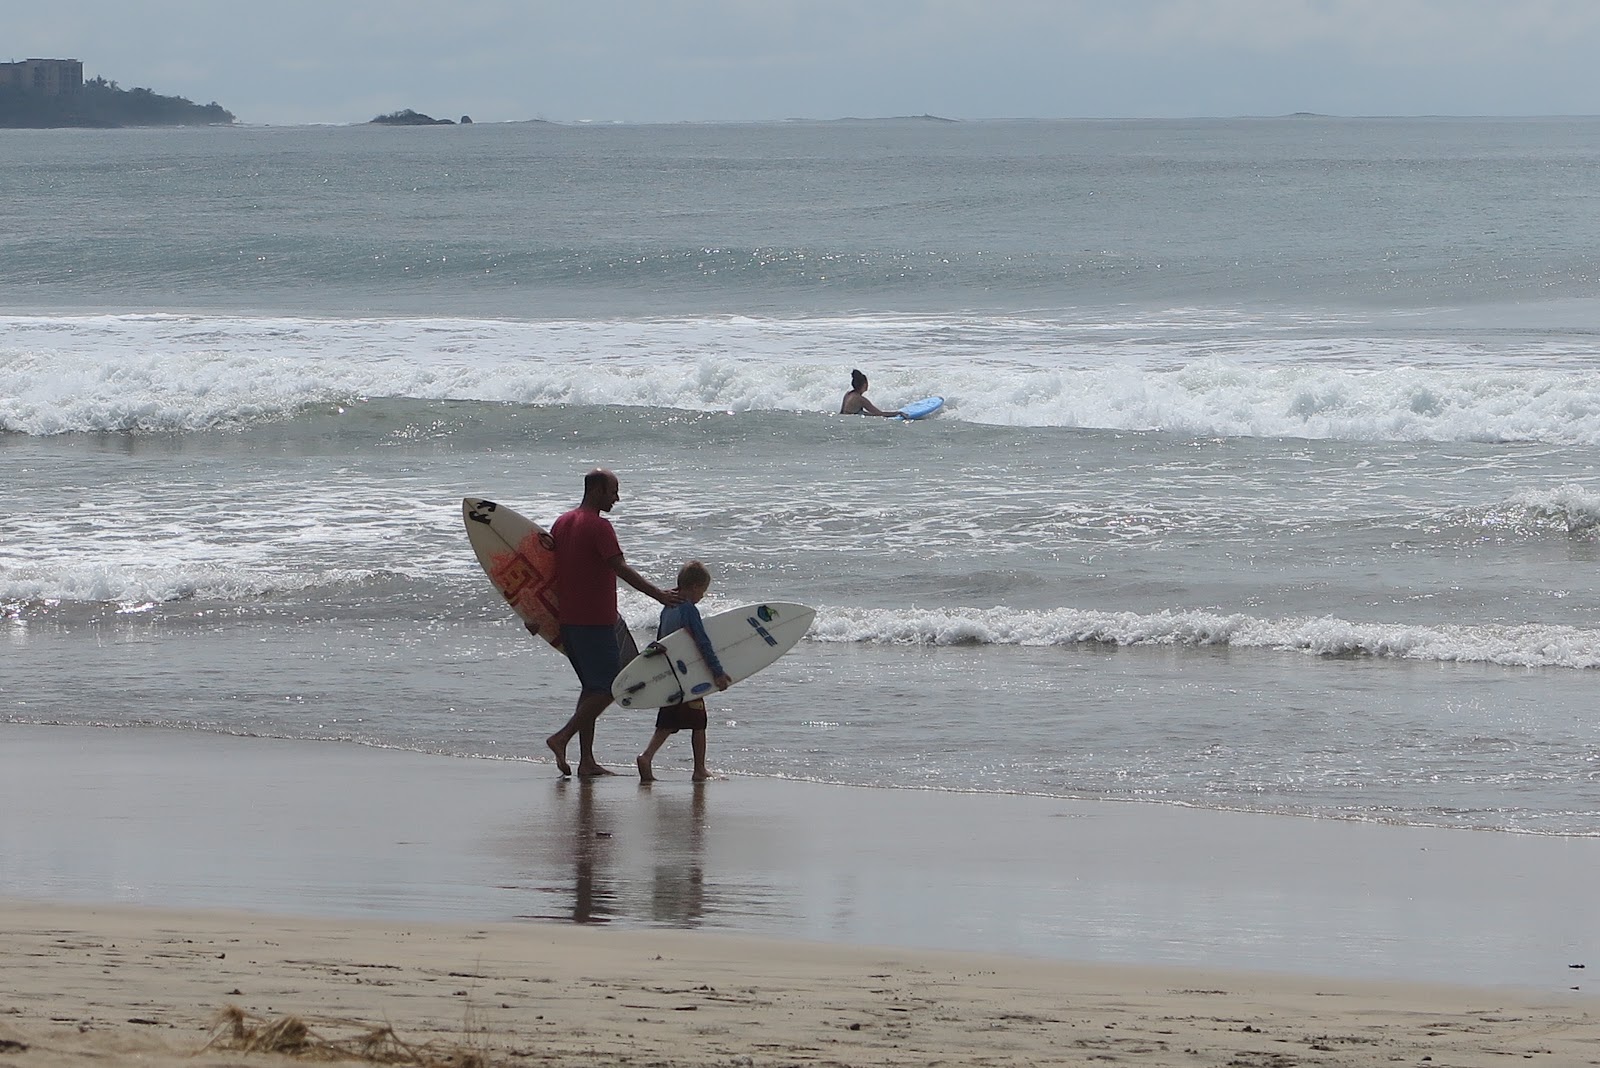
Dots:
pixel 132 586
pixel 1529 645
pixel 1571 507
pixel 128 586
pixel 187 373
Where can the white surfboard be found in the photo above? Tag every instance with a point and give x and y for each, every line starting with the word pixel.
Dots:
pixel 746 640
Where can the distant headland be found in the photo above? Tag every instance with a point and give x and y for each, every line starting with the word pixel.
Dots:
pixel 895 118
pixel 408 117
pixel 50 93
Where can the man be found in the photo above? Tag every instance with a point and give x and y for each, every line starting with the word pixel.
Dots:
pixel 588 563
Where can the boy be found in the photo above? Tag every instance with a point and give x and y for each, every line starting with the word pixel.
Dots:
pixel 693 582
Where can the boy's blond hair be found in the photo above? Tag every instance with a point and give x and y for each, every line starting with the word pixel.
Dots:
pixel 694 574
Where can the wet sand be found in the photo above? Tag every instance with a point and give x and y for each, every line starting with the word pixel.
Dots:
pixel 190 819
pixel 152 878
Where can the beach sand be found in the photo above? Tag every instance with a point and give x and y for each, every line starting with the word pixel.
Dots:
pixel 152 878
pixel 86 985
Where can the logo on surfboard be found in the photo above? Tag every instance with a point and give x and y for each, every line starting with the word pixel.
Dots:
pixel 759 629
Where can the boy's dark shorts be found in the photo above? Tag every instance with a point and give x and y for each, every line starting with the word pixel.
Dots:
pixel 689 716
pixel 597 653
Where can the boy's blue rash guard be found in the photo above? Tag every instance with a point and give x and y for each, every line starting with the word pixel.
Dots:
pixel 679 616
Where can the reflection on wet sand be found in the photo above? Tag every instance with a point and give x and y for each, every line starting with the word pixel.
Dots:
pixel 634 854
pixel 678 875
pixel 590 842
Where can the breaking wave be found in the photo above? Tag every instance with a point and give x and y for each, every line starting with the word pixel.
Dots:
pixel 1523 645
pixel 173 373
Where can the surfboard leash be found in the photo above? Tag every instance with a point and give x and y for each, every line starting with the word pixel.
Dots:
pixel 657 649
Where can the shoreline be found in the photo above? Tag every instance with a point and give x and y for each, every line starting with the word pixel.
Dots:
pixel 191 820
pixel 85 984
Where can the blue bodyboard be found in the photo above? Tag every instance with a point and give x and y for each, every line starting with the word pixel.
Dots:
pixel 921 409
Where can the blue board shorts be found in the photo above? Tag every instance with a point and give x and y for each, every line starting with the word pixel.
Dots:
pixel 597 653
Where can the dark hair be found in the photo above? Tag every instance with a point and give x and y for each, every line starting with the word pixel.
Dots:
pixel 857 380
pixel 695 574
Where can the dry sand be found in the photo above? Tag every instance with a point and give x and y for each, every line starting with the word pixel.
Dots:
pixel 120 985
pixel 84 985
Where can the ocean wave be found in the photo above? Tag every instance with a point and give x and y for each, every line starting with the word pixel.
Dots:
pixel 29 593
pixel 1521 645
pixel 1571 511
pixel 171 373
pixel 26 589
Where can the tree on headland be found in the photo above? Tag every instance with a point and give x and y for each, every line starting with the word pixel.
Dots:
pixel 104 103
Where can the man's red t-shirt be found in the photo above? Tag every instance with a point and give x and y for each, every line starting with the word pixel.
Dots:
pixel 586 587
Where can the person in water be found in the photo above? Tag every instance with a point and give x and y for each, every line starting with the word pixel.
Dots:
pixel 856 403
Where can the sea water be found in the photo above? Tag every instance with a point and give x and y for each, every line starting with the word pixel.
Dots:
pixel 1266 478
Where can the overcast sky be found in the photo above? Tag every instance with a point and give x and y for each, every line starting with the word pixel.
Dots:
pixel 298 61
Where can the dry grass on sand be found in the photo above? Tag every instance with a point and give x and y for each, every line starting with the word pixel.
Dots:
pixel 245 1032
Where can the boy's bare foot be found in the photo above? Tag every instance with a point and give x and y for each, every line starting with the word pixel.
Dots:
pixel 558 746
pixel 593 771
pixel 645 774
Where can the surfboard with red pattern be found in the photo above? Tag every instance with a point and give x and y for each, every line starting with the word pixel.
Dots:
pixel 519 558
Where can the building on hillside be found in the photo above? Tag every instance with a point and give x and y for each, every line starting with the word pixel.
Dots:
pixel 49 77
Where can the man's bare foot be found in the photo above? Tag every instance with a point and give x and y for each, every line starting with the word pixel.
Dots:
pixel 559 748
pixel 593 771
pixel 701 776
pixel 645 774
